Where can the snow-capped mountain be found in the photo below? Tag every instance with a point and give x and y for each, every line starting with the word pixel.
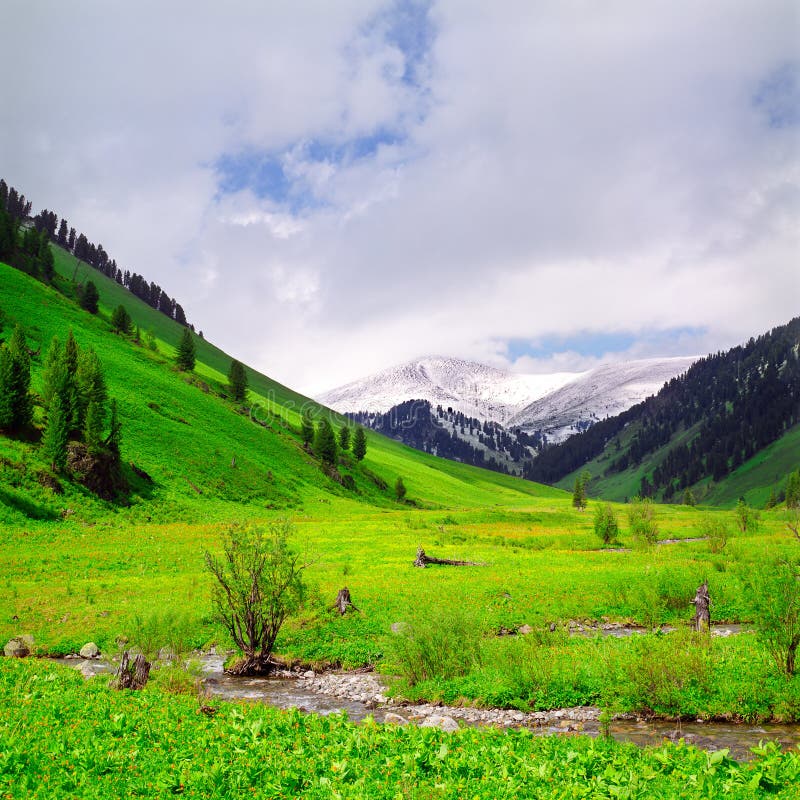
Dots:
pixel 603 392
pixel 558 404
pixel 487 393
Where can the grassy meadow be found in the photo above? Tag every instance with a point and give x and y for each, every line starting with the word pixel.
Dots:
pixel 76 568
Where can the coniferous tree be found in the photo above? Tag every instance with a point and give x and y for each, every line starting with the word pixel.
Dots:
pixel 63 233
pixel 400 489
pixel 89 297
pixel 793 489
pixel 71 240
pixel 359 443
pixel 237 381
pixel 344 437
pixel 115 432
pixel 121 320
pixel 56 434
pixel 579 491
pixel 90 386
pixel 93 427
pixel 325 442
pixel 307 428
pixel 16 409
pixel 185 355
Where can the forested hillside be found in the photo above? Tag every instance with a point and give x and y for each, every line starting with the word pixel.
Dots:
pixel 453 435
pixel 700 427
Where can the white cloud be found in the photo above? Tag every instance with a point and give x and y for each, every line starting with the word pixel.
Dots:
pixel 561 167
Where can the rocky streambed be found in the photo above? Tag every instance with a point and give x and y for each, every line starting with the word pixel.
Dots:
pixel 363 694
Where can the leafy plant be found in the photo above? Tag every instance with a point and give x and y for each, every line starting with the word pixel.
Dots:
pixel 606 527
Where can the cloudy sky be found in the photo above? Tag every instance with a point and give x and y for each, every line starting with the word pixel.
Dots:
pixel 331 188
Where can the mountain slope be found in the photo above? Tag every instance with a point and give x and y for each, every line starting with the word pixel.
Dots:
pixel 699 431
pixel 200 450
pixel 603 392
pixel 476 390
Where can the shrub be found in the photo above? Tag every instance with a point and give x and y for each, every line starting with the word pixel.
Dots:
pixel 606 526
pixel 259 583
pixel 775 598
pixel 713 528
pixel 642 520
pixel 443 643
pixel 746 518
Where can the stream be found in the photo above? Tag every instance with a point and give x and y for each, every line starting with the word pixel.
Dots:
pixel 360 695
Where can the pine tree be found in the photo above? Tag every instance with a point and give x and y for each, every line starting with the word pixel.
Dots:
pixel 793 489
pixel 16 408
pixel 400 489
pixel 325 442
pixel 185 354
pixel 90 386
pixel 579 491
pixel 93 427
pixel 307 428
pixel 359 444
pixel 56 434
pixel 237 382
pixel 114 439
pixel 344 437
pixel 121 320
pixel 89 297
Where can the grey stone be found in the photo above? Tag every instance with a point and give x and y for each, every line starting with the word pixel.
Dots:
pixel 308 673
pixel 398 627
pixel 395 719
pixel 447 724
pixel 90 650
pixel 17 648
pixel 524 630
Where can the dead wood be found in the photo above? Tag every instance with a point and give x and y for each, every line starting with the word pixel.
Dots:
pixel 133 676
pixel 344 602
pixel 702 603
pixel 423 559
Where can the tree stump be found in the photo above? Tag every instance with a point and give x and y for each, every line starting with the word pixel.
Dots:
pixel 702 613
pixel 133 677
pixel 344 602
pixel 422 560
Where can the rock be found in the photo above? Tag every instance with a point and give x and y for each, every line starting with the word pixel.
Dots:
pixel 395 719
pixel 308 673
pixel 17 648
pixel 524 630
pixel 166 654
pixel 446 724
pixel 85 669
pixel 398 627
pixel 90 650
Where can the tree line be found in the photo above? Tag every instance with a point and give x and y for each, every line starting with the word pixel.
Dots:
pixel 28 249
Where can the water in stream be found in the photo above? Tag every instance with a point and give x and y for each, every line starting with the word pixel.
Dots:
pixel 291 693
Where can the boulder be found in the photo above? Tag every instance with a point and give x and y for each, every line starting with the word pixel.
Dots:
pixel 447 724
pixel 524 630
pixel 90 650
pixel 395 719
pixel 17 648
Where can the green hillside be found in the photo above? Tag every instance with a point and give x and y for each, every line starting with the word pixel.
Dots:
pixel 754 480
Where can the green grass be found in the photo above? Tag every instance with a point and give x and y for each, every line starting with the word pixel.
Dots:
pixel 61 738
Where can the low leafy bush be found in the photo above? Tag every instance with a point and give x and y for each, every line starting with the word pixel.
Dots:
pixel 642 520
pixel 442 643
pixel 606 527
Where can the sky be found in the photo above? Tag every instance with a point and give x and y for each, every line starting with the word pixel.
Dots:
pixel 333 188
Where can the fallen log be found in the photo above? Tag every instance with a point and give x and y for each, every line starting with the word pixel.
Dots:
pixel 423 559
